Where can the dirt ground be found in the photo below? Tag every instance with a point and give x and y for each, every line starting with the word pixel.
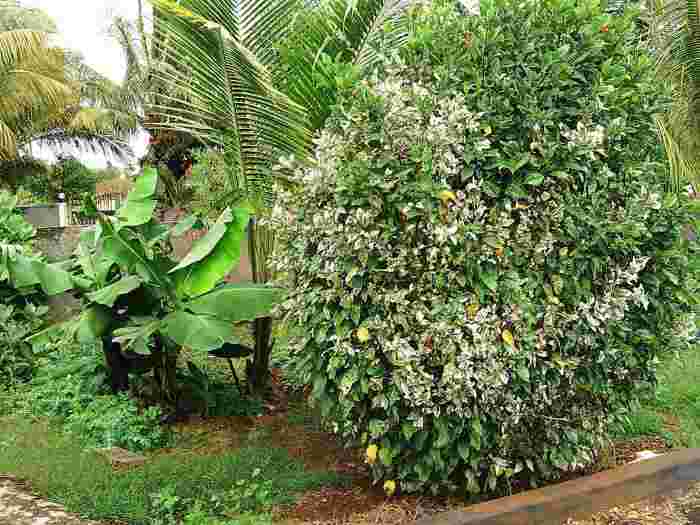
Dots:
pixel 680 508
pixel 19 507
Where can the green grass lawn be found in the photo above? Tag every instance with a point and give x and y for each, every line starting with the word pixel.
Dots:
pixel 58 467
pixel 673 410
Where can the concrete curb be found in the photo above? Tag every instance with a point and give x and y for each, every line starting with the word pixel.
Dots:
pixel 582 497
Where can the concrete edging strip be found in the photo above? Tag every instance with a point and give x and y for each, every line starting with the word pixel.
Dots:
pixel 582 497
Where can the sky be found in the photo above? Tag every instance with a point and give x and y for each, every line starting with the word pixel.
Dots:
pixel 83 26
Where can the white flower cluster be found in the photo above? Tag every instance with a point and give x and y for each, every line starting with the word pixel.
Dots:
pixel 589 136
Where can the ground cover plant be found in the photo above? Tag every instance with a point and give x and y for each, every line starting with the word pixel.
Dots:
pixel 484 265
pixel 60 467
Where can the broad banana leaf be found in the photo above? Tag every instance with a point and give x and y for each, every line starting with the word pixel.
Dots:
pixel 26 271
pixel 153 233
pixel 138 334
pixel 47 334
pixel 109 294
pixel 235 303
pixel 129 254
pixel 96 269
pixel 213 256
pixel 140 203
pixel 93 323
pixel 184 225
pixel 198 332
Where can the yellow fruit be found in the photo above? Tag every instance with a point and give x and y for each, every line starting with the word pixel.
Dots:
pixel 372 451
pixel 508 337
pixel 472 310
pixel 390 487
pixel 363 335
pixel 447 196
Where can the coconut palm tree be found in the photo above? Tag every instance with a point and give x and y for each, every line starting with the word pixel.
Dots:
pixel 49 97
pixel 31 78
pixel 225 79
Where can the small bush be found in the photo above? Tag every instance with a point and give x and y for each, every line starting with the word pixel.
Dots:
pixel 21 311
pixel 70 385
pixel 17 360
pixel 68 378
pixel 117 421
pixel 484 262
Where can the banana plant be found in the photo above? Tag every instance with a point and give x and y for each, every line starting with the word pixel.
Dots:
pixel 144 305
pixel 21 270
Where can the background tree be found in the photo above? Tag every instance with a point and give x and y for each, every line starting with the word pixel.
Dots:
pixel 49 97
pixel 68 176
pixel 13 16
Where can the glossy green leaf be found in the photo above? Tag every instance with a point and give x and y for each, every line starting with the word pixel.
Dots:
pixel 523 373
pixel 214 255
pixel 109 294
pixel 237 302
pixel 140 203
pixel 385 456
pixel 198 332
pixel 534 179
pixel 490 279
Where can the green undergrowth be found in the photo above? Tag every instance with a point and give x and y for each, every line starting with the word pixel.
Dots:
pixel 247 480
pixel 672 410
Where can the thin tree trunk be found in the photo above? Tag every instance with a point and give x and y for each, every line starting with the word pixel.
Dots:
pixel 260 241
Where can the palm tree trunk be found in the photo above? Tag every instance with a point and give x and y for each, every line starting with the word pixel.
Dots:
pixel 260 243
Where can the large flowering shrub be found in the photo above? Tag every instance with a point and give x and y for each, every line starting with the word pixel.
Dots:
pixel 483 262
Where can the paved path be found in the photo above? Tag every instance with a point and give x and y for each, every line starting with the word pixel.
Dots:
pixel 679 508
pixel 20 507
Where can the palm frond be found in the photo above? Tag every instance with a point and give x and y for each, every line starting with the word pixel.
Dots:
pixel 125 34
pixel 8 142
pixel 31 90
pixel 676 34
pixel 21 45
pixel 346 31
pixel 223 91
pixel 263 23
pixel 102 121
pixel 84 140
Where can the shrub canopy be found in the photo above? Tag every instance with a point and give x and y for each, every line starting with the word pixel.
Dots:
pixel 484 262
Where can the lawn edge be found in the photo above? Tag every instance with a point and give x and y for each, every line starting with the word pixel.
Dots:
pixel 582 497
